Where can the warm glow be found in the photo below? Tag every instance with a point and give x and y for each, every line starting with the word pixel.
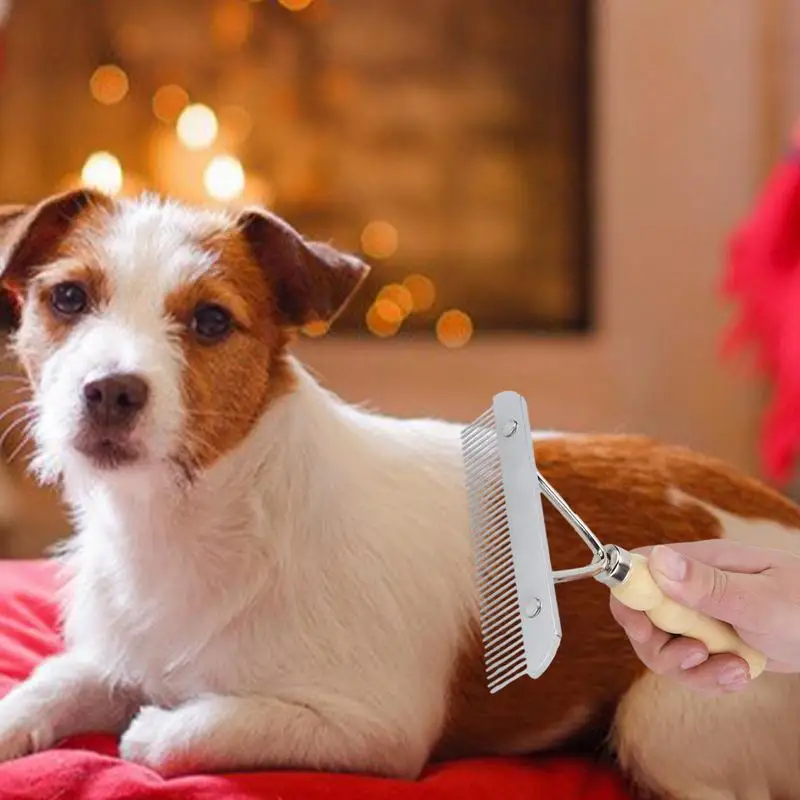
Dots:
pixel 422 290
pixel 132 41
pixel 224 178
pixel 197 127
pixel 108 84
pixel 379 239
pixel 236 122
pixel 399 296
pixel 316 329
pixel 454 328
pixel 232 22
pixel 389 312
pixel 104 172
pixel 378 324
pixel 295 5
pixel 169 101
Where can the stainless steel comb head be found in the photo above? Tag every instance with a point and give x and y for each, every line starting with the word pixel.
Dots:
pixel 520 626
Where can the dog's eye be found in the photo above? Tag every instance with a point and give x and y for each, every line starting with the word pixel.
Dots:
pixel 69 299
pixel 211 322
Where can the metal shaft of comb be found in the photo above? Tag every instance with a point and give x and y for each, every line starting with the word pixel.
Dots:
pixel 519 620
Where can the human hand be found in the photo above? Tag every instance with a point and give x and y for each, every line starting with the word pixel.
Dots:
pixel 755 589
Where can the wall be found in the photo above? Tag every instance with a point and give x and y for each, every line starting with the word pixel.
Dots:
pixel 683 115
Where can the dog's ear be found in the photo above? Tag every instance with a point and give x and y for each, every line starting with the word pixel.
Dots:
pixel 29 235
pixel 312 281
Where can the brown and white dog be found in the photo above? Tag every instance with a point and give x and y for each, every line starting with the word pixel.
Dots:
pixel 264 576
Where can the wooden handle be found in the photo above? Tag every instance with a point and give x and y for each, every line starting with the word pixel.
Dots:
pixel 641 592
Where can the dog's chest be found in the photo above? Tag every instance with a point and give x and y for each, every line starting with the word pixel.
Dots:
pixel 171 635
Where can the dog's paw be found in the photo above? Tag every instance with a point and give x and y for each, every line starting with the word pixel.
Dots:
pixel 161 740
pixel 21 738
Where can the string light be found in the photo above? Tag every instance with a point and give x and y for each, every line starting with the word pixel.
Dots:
pixel 108 84
pixel 169 101
pixel 197 127
pixel 454 328
pixel 422 290
pixel 379 239
pixel 224 178
pixel 103 171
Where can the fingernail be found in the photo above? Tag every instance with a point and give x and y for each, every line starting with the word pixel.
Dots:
pixel 669 563
pixel 732 676
pixel 694 660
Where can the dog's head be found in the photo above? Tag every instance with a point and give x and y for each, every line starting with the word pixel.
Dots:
pixel 153 333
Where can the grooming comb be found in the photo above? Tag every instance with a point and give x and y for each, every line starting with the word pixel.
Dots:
pixel 520 624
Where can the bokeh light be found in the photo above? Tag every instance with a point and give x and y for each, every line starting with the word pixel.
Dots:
pixel 103 171
pixel 422 290
pixel 316 329
pixel 109 84
pixel 454 328
pixel 295 5
pixel 384 319
pixel 224 178
pixel 169 101
pixel 379 239
pixel 399 296
pixel 197 126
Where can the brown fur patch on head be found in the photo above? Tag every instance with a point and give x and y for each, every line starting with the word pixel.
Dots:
pixel 31 239
pixel 229 384
pixel 41 247
pixel 74 265
pixel 624 489
pixel 311 281
pixel 271 281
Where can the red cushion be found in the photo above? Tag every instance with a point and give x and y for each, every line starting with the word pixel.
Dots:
pixel 88 767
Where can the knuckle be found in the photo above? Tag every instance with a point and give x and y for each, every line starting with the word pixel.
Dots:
pixel 718 592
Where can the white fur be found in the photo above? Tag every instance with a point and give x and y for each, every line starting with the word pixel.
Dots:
pixel 303 601
pixel 147 250
pixel 298 572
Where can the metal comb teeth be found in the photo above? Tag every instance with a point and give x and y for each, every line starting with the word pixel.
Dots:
pixel 518 613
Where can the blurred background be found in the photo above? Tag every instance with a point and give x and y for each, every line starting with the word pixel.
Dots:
pixel 545 189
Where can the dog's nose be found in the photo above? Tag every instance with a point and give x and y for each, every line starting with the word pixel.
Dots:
pixel 116 400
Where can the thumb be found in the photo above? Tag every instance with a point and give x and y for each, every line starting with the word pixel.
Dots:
pixel 736 598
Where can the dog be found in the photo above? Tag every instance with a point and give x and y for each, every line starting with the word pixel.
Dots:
pixel 264 576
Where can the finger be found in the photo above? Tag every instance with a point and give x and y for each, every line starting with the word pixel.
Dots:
pixel 648 650
pixel 636 624
pixel 742 600
pixel 676 655
pixel 719 674
pixel 730 556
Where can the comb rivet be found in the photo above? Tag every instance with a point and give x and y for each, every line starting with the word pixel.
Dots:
pixel 510 428
pixel 533 608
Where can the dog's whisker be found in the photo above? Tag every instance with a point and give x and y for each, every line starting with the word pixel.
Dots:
pixel 22 421
pixel 24 442
pixel 15 407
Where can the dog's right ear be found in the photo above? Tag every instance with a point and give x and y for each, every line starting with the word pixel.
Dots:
pixel 29 235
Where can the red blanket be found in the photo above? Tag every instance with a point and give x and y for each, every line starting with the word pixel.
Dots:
pixel 88 767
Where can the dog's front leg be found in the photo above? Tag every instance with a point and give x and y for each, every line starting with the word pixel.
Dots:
pixel 64 696
pixel 221 734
